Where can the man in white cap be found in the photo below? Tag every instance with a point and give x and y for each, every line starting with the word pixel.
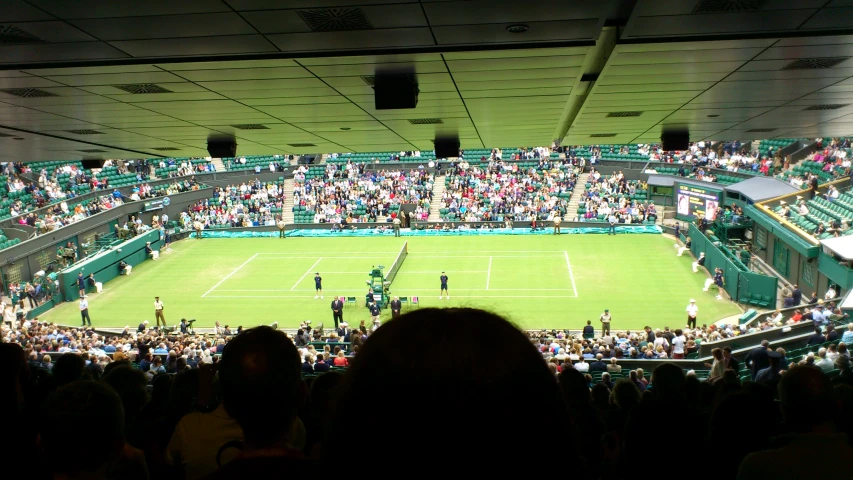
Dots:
pixel 84 311
pixel 692 311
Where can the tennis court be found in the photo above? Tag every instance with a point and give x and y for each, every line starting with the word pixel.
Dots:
pixel 537 281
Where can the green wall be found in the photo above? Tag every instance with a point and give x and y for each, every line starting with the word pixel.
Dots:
pixel 105 265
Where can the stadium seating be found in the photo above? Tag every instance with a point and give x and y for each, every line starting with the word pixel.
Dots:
pixel 312 205
pixel 229 207
pixel 530 180
pixel 252 161
pixel 173 164
pixel 766 146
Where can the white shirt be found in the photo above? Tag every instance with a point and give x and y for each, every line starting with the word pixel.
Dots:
pixel 692 309
pixel 158 305
pixel 581 366
pixel 83 304
pixel 678 344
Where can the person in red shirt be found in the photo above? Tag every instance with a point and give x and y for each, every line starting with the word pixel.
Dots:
pixel 341 360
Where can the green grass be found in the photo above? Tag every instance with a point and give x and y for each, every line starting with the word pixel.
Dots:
pixel 526 278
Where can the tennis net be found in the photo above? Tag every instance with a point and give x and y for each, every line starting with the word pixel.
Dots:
pixel 392 272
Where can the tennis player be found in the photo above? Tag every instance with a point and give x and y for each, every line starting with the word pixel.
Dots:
pixel 443 287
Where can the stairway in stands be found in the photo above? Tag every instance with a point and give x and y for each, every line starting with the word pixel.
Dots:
pixel 435 205
pixel 287 207
pixel 217 163
pixel 574 201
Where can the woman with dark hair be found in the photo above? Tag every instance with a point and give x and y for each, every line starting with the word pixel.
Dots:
pixel 443 406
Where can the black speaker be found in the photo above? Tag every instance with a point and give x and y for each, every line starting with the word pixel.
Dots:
pixel 89 164
pixel 392 91
pixel 222 148
pixel 675 139
pixel 446 147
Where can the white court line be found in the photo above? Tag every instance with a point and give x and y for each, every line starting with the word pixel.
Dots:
pixel 230 274
pixel 310 269
pixel 302 252
pixel 493 251
pixel 489 275
pixel 455 296
pixel 571 275
pixel 407 272
pixel 349 290
pixel 313 254
pixel 432 256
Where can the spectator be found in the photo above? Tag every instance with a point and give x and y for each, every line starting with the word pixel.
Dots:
pixel 262 365
pixel 758 358
pixel 826 365
pixel 613 367
pixel 848 335
pixel 197 459
pixel 809 411
pixel 82 403
pixel 440 384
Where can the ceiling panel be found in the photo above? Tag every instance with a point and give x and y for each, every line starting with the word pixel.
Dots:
pixel 126 8
pixel 219 62
pixel 352 40
pixel 196 46
pixel 165 26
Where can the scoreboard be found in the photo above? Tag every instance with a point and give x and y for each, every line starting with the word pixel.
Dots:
pixel 691 201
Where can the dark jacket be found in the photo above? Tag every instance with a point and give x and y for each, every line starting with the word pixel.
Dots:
pixel 759 360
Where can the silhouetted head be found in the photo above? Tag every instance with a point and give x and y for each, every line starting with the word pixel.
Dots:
pixel 261 380
pixel 130 385
pixel 436 371
pixel 669 382
pixel 574 387
pixel 69 367
pixel 806 398
pixel 82 403
pixel 626 395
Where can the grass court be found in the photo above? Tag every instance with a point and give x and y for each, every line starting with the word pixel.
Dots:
pixel 535 281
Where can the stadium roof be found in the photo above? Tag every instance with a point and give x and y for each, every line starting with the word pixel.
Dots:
pixel 660 180
pixel 841 246
pixel 762 188
pixel 128 78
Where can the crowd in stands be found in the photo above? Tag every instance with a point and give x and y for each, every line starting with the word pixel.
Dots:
pixel 348 193
pixel 499 191
pixel 830 161
pixel 248 204
pixel 171 167
pixel 615 198
pixel 62 214
pixel 169 406
pixel 58 183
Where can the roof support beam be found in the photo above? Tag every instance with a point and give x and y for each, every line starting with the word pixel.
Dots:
pixel 594 62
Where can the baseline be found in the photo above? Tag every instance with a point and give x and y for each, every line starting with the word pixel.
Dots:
pixel 395 292
pixel 455 296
